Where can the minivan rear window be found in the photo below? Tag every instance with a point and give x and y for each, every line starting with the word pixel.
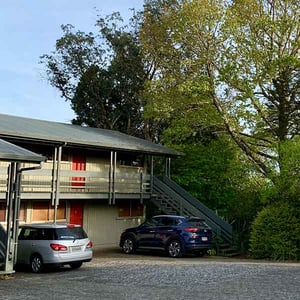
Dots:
pixel 70 233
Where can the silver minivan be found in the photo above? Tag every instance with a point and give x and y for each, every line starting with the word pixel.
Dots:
pixel 40 245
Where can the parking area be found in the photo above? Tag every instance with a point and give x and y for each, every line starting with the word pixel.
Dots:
pixel 113 275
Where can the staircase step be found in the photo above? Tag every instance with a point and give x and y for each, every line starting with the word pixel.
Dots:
pixel 230 252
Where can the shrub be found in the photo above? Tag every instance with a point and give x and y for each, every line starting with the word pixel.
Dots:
pixel 276 233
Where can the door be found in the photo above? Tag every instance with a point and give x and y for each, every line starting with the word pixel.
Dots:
pixel 76 212
pixel 26 244
pixel 165 229
pixel 78 164
pixel 145 234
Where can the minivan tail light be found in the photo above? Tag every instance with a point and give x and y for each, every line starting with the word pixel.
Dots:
pixel 58 247
pixel 191 229
pixel 90 244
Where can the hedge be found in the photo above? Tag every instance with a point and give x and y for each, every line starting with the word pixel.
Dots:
pixel 275 233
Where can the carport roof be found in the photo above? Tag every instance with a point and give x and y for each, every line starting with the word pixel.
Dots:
pixel 74 135
pixel 15 153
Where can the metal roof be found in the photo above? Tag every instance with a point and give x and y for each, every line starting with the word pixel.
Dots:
pixel 15 153
pixel 75 135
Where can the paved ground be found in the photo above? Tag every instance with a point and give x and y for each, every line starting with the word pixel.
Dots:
pixel 112 275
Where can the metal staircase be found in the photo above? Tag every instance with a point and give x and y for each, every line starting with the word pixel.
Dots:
pixel 170 198
pixel 3 239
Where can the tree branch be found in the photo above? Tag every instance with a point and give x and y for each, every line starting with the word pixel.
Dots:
pixel 260 165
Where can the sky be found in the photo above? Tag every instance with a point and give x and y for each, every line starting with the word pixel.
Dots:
pixel 29 29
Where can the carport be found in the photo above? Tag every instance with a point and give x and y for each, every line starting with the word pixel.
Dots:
pixel 14 155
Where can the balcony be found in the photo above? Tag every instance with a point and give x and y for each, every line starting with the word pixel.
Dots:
pixel 45 183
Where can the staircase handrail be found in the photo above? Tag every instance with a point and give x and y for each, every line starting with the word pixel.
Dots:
pixel 196 203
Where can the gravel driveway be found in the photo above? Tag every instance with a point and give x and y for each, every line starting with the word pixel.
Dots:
pixel 112 275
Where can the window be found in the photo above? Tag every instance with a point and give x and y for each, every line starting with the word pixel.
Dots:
pixel 36 234
pixel 2 211
pixel 70 233
pixel 130 209
pixel 28 234
pixel 151 222
pixel 44 211
pixel 198 222
pixel 167 222
pixel 131 160
pixel 163 221
pixel 22 214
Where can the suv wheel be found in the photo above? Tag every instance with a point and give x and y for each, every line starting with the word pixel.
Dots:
pixel 129 245
pixel 174 249
pixel 36 263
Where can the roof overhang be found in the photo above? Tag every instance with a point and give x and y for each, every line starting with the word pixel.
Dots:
pixel 13 128
pixel 13 153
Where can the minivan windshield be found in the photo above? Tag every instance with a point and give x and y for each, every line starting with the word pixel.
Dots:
pixel 72 233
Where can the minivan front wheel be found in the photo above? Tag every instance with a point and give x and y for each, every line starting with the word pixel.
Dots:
pixel 36 263
pixel 174 249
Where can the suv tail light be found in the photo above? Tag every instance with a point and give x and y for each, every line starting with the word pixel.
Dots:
pixel 58 247
pixel 90 244
pixel 191 229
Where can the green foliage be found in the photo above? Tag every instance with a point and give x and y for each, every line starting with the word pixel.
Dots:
pixel 240 59
pixel 288 180
pixel 214 172
pixel 101 75
pixel 203 171
pixel 276 233
pixel 228 68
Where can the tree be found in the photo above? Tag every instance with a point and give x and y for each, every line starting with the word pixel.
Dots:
pixel 241 58
pixel 101 75
pixel 213 171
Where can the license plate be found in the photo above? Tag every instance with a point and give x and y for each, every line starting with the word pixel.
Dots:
pixel 76 248
pixel 204 239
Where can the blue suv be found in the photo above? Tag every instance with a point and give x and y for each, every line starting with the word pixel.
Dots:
pixel 174 234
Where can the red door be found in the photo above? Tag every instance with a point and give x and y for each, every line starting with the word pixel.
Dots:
pixel 76 213
pixel 78 164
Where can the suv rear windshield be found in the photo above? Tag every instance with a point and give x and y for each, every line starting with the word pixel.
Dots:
pixel 71 233
pixel 197 223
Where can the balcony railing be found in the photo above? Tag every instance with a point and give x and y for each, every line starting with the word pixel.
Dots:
pixel 43 181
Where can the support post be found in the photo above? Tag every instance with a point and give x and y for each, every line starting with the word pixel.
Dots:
pixel 9 243
pixel 13 201
pixel 57 190
pixel 168 167
pixel 54 179
pixel 17 201
pixel 141 187
pixel 110 184
pixel 114 178
pixel 151 175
